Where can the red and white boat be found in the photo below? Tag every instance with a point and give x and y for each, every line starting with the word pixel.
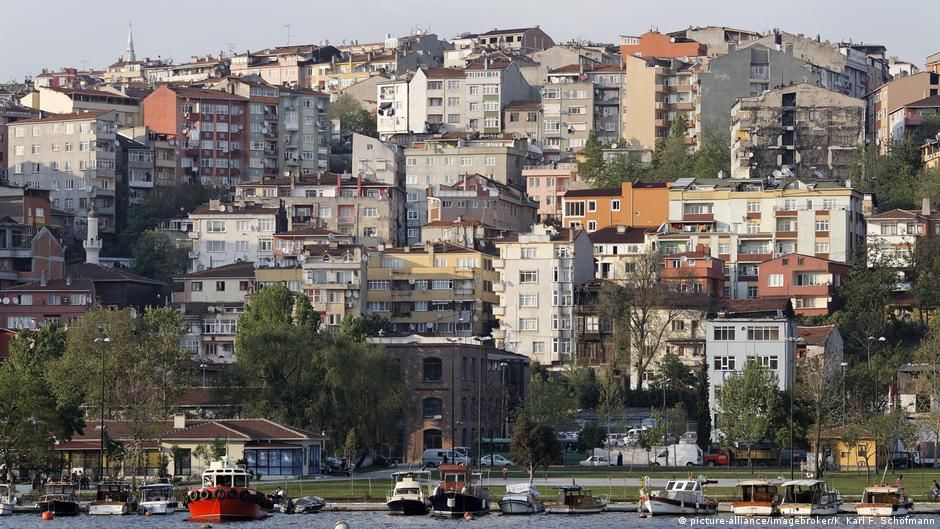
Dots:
pixel 225 495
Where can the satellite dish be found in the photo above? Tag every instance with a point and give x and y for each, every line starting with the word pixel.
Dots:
pixel 412 326
pixel 16 301
pixel 210 308
pixel 301 258
pixel 256 264
pixel 613 146
pixel 356 294
pixel 348 294
pixel 684 258
pixel 222 208
pixel 411 280
pixel 777 174
pixel 6 301
pixel 429 325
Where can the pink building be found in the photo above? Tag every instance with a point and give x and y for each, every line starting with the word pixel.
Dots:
pixel 547 184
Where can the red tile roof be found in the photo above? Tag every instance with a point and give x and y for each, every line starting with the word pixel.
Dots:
pixel 610 235
pixel 443 73
pixel 73 116
pixel 242 269
pixel 815 335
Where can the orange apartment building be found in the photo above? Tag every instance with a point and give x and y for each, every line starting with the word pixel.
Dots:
pixel 655 44
pixel 694 272
pixel 633 204
pixel 811 284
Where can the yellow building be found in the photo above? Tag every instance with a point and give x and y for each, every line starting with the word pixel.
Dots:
pixel 863 454
pixel 437 289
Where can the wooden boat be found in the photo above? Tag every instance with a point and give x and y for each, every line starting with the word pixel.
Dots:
pixel 113 498
pixel 573 499
pixel 7 500
pixel 681 496
pixel 408 495
pixel 758 498
pixel 459 493
pixel 521 498
pixel 59 499
pixel 809 497
pixel 884 500
pixel 157 498
pixel 225 495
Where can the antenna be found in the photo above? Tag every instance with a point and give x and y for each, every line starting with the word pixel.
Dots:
pixel 231 48
pixel 287 27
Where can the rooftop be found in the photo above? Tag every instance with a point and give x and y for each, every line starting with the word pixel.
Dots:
pixel 611 235
pixel 815 335
pixel 98 274
pixel 73 116
pixel 242 269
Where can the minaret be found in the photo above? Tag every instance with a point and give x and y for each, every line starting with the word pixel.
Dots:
pixel 92 242
pixel 129 55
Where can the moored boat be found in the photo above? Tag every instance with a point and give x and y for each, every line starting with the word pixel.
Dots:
pixel 459 493
pixel 113 498
pixel 521 498
pixel 680 496
pixel 157 498
pixel 225 495
pixel 808 497
pixel 59 499
pixel 304 505
pixel 408 495
pixel 573 499
pixel 758 498
pixel 884 500
pixel 7 500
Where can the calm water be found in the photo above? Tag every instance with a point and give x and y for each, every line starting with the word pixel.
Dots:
pixel 381 520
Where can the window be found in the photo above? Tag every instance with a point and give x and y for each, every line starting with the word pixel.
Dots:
pixel 215 246
pixel 753 207
pixel 678 325
pixel 763 333
pixel 489 161
pixel 370 212
pixel 195 286
pixel 822 247
pixel 431 408
pixel 528 324
pixel 528 300
pixel 752 292
pixel 538 347
pixel 466 161
pixel 220 286
pixel 528 253
pixel 889 228
pixel 775 280
pixel 768 362
pixel 724 333
pixel 377 306
pixel 615 205
pixel 379 285
pixel 432 369
pixel 574 209
pixel 753 227
pixel 592 205
pixel 822 224
pixel 528 276
pixel 215 226
pixel 724 363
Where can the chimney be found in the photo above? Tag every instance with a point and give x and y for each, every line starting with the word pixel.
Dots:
pixel 179 422
pixel 44 281
pixel 925 209
pixel 621 229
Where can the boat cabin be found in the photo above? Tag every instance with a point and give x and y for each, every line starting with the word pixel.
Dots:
pixel 113 491
pixel 223 474
pixel 758 491
pixel 455 478
pixel 688 486
pixel 804 491
pixel 886 494
pixel 159 492
pixel 410 482
pixel 575 496
pixel 60 489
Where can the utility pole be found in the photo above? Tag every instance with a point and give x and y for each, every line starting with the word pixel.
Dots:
pixel 287 27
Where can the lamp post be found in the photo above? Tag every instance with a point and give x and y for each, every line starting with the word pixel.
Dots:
pixel 453 393
pixel 101 417
pixel 844 365
pixel 871 343
pixel 203 366
pixel 503 419
pixel 480 371
pixel 791 364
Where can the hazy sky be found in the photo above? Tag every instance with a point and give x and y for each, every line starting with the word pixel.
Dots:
pixel 40 34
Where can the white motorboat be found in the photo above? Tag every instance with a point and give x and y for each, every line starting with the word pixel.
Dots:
pixel 521 498
pixel 758 498
pixel 113 498
pixel 809 497
pixel 682 496
pixel 884 500
pixel 157 498
pixel 408 494
pixel 573 499
pixel 7 500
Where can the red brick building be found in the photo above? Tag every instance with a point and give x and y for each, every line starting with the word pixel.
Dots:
pixel 210 128
pixel 810 283
pixel 694 272
pixel 33 305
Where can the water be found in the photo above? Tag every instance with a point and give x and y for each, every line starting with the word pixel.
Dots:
pixel 382 520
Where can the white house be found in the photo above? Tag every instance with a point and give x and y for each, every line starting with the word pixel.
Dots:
pixel 224 234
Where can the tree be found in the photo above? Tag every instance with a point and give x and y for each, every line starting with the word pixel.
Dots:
pixel 864 318
pixel 157 257
pixel 747 401
pixel 926 272
pixel 672 375
pixel 713 157
pixel 584 383
pixel 672 159
pixel 650 437
pixel 817 383
pixel 361 327
pixel 611 399
pixel 162 203
pixel 352 117
pixel 703 425
pixel 534 445
pixel 927 385
pixel 591 160
pixel 622 168
pixel 548 401
pixel 889 429
pixel 164 326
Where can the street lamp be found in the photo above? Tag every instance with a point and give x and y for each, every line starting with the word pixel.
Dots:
pixel 871 343
pixel 203 366
pixel 791 363
pixel 480 371
pixel 101 417
pixel 453 394
pixel 844 365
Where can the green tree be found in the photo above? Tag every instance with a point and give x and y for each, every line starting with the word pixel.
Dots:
pixel 712 158
pixel 654 435
pixel 304 315
pixel 867 292
pixel 926 284
pixel 548 402
pixel 591 160
pixel 534 445
pixel 747 401
pixel 584 383
pixel 672 159
pixel 703 414
pixel 157 257
pixel 353 118
pixel 927 385
pixel 889 429
pixel 162 203
pixel 622 168
pixel 819 384
pixel 672 375
pixel 361 327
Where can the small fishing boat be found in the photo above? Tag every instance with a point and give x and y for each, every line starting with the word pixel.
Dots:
pixel 59 499
pixel 225 495
pixel 304 505
pixel 157 498
pixel 521 498
pixel 113 498
pixel 884 500
pixel 758 498
pixel 7 500
pixel 459 493
pixel 573 499
pixel 407 496
pixel 809 497
pixel 681 496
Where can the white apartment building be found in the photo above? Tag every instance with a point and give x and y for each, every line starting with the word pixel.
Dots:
pixel 224 234
pixel 746 223
pixel 437 101
pixel 616 249
pixel 892 235
pixel 335 281
pixel 539 271
pixel 761 330
pixel 491 85
pixel 392 111
pixel 377 160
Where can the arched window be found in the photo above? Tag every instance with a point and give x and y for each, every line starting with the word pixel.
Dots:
pixel 433 369
pixel 433 439
pixel 432 407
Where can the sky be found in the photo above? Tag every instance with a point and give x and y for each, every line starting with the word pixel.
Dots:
pixel 52 34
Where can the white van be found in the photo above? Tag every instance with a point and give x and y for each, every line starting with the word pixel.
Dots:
pixel 677 455
pixel 433 457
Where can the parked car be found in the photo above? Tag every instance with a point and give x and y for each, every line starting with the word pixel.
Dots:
pixel 595 461
pixel 678 455
pixel 717 459
pixel 495 460
pixel 434 457
pixel 902 460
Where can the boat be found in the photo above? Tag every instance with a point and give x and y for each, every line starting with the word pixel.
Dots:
pixel 157 498
pixel 113 498
pixel 59 499
pixel 884 500
pixel 459 493
pixel 407 496
pixel 225 495
pixel 808 497
pixel 758 498
pixel 573 499
pixel 680 496
pixel 521 498
pixel 304 505
pixel 7 500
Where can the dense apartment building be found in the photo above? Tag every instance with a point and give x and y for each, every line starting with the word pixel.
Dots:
pixel 694 272
pixel 193 71
pixel 285 65
pixel 908 118
pixel 654 44
pixel 617 248
pixel 493 204
pixel 524 119
pixel 567 112
pixel 210 131
pixel 539 272
pixel 438 289
pixel 657 91
pixel 930 153
pixel 525 40
pixel 718 40
pixel 392 101
pixel 887 98
pixel 745 223
pixel 893 234
pixel 437 101
pixel 547 185
pixel 334 278
pixel 378 161
pixel 812 284
pixel 135 166
pixel 802 130
pixel 224 234
pixel 10 113
pixel 29 254
pixel 127 109
pixel 632 204
pixel 71 155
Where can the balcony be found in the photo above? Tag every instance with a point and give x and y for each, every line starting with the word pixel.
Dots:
pixel 785 212
pixel 499 263
pixel 346 220
pixel 141 184
pixel 661 123
pixel 698 217
pixel 744 257
pixel 786 235
pixel 498 286
pixel 499 311
pixel 685 105
pixel 291 125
